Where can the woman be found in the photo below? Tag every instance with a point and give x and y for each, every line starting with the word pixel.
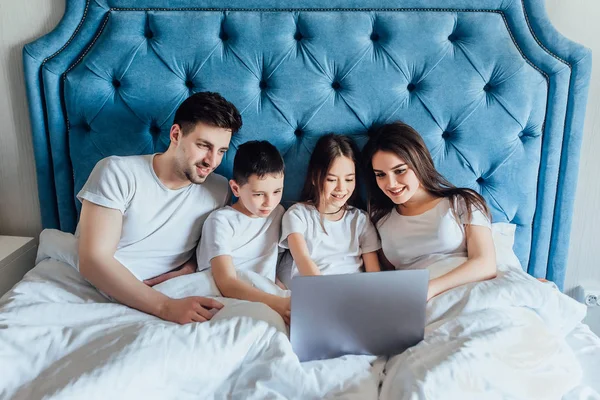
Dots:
pixel 422 218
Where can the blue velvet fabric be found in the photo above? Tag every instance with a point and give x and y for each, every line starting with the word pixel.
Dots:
pixel 498 95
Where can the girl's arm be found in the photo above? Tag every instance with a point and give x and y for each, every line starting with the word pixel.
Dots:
pixel 480 265
pixel 371 262
pixel 299 250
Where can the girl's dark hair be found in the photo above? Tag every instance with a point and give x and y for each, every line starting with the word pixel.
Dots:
pixel 327 149
pixel 402 140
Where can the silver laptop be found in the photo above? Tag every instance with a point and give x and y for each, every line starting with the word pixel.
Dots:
pixel 377 313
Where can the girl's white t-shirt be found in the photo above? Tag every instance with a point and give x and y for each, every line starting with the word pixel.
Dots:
pixel 418 241
pixel 335 246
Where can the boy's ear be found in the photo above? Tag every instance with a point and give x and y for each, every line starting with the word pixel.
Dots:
pixel 235 188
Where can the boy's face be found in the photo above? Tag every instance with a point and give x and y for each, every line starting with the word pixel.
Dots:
pixel 259 196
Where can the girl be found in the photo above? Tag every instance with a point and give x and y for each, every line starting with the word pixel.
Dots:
pixel 324 233
pixel 421 217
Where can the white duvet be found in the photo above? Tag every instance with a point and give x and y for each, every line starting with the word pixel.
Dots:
pixel 60 338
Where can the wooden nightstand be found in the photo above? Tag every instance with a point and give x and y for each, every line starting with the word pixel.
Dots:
pixel 17 256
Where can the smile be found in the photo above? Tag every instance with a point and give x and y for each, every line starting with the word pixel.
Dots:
pixel 203 171
pixel 397 192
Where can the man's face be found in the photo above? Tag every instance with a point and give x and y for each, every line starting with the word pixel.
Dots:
pixel 200 151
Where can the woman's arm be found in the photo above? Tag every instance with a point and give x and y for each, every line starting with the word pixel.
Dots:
pixel 371 262
pixel 480 265
pixel 299 250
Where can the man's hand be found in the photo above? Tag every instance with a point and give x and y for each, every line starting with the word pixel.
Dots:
pixel 188 309
pixel 187 268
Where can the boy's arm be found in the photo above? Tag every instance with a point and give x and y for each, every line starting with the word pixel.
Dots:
pixel 189 267
pixel 228 283
pixel 299 250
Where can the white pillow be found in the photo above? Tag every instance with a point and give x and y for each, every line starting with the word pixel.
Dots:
pixel 503 234
pixel 58 245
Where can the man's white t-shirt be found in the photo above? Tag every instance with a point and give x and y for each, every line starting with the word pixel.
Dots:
pixel 251 242
pixel 419 241
pixel 161 226
pixel 338 248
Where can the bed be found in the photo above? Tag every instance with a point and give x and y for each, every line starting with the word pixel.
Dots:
pixel 496 92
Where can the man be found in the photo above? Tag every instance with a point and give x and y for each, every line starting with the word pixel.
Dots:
pixel 142 216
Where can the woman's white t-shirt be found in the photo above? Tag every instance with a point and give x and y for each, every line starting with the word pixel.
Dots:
pixel 336 249
pixel 418 241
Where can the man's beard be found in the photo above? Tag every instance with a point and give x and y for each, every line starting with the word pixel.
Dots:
pixel 192 176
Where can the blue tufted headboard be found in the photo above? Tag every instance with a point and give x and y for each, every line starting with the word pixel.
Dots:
pixel 498 95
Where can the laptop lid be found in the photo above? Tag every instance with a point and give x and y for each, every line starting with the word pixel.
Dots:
pixel 377 313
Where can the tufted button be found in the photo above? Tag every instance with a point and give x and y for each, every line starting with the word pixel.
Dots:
pixel 298 132
pixel 480 180
pixel 374 36
pixel 116 83
pixel 446 134
pixel 452 37
pixel 411 87
pixel 336 85
pixel 189 84
pixel 298 36
pixel 263 84
pixel 154 129
pixel 86 127
pixel 487 87
pixel 148 34
pixel 223 36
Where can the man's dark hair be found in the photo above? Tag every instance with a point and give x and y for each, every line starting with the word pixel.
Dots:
pixel 256 157
pixel 209 108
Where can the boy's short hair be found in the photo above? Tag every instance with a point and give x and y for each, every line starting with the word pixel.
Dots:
pixel 256 157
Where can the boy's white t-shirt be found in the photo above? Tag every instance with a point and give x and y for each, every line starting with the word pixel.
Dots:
pixel 251 242
pixel 161 226
pixel 418 241
pixel 338 248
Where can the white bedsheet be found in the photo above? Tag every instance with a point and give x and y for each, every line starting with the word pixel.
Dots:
pixel 60 338
pixel 586 347
pixel 500 339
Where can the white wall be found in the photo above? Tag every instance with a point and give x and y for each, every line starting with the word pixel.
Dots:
pixel 578 20
pixel 20 23
pixel 23 21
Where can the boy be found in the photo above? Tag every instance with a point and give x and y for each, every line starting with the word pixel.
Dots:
pixel 245 236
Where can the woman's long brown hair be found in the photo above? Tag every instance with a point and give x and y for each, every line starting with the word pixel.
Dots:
pixel 405 142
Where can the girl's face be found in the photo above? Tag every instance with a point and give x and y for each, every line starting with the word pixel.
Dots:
pixel 394 177
pixel 339 184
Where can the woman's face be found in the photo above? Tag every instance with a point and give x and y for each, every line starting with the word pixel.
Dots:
pixel 394 177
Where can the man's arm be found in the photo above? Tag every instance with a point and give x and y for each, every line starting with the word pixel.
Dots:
pixel 100 231
pixel 226 279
